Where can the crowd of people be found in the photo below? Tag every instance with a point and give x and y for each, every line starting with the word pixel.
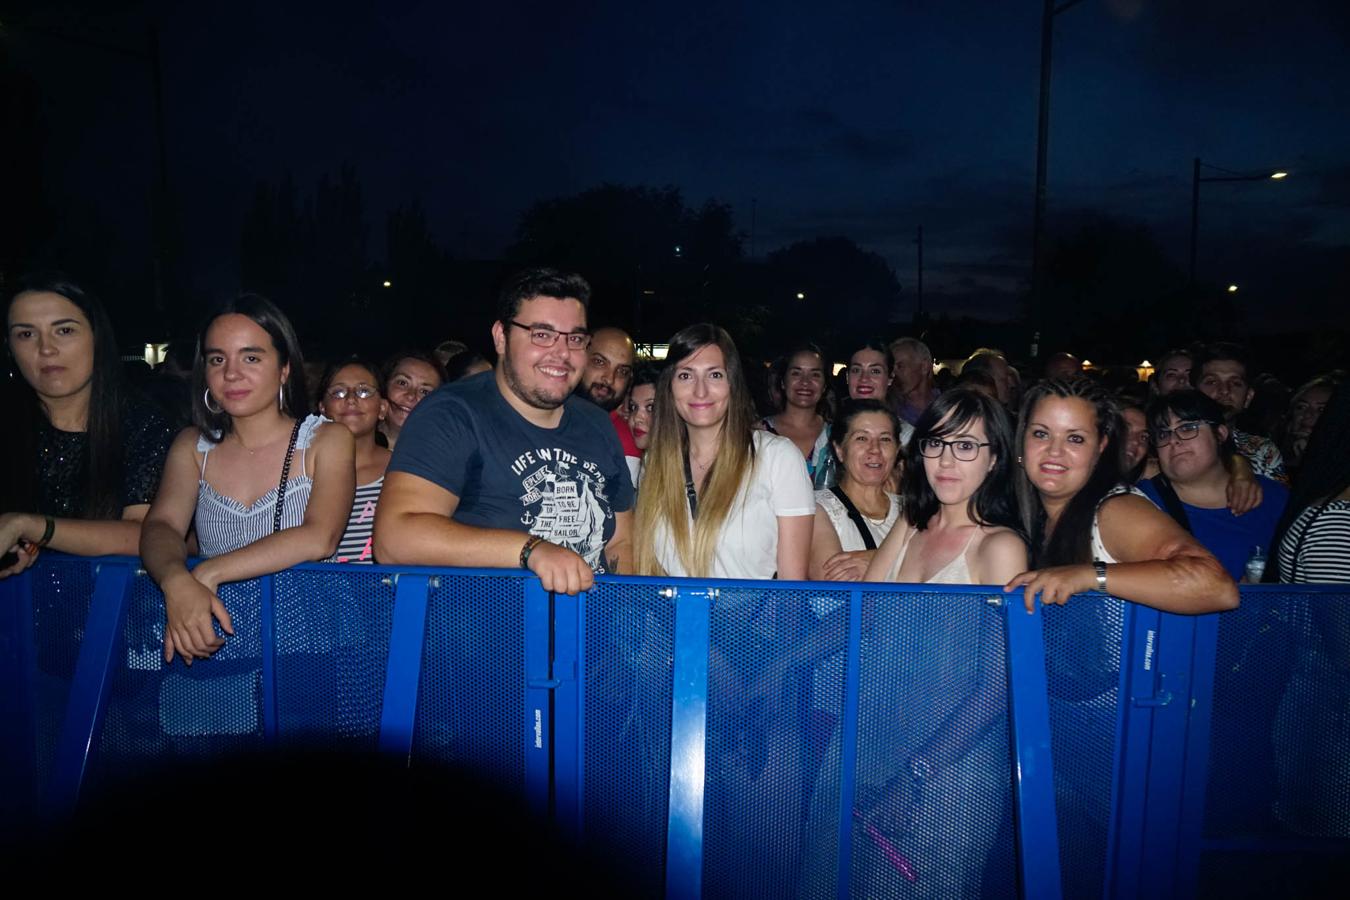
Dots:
pixel 570 457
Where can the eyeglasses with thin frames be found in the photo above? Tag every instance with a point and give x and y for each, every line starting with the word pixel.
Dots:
pixel 545 336
pixel 963 449
pixel 341 392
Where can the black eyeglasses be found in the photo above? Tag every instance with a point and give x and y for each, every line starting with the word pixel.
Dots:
pixel 1183 432
pixel 964 450
pixel 544 336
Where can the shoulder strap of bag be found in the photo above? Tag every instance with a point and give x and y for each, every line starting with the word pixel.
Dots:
pixel 863 531
pixel 285 478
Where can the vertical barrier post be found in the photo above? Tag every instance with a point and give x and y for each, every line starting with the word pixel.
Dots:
pixel 688 742
pixel 569 712
pixel 89 688
pixel 268 633
pixel 848 744
pixel 1029 731
pixel 539 685
pixel 1201 708
pixel 403 672
pixel 18 703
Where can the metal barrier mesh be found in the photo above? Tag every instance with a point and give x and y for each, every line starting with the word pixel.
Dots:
pixel 158 714
pixel 332 645
pixel 471 700
pixel 62 592
pixel 629 639
pixel 1277 805
pixel 1082 654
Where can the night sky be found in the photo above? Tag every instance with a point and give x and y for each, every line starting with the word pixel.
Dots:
pixel 860 119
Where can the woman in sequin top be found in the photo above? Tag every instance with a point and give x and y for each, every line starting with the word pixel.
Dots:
pixel 83 460
pixel 249 410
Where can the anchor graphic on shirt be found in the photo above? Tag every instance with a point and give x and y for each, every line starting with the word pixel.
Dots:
pixel 365 552
pixel 368 512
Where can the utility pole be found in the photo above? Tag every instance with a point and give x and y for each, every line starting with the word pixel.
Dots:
pixel 919 285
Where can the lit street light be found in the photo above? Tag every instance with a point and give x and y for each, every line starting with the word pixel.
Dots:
pixel 1232 289
pixel 801 296
pixel 388 284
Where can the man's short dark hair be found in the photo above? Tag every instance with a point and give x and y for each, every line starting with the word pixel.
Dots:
pixel 540 282
pixel 1221 350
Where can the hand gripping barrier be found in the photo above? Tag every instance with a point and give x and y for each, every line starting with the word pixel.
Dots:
pixel 735 738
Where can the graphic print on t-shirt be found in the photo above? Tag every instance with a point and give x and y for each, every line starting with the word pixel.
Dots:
pixel 564 501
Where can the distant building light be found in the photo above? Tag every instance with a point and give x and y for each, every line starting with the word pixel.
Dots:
pixel 1232 289
pixel 388 284
pixel 801 296
pixel 652 351
pixel 1278 175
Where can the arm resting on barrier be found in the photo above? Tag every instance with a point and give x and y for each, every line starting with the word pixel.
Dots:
pixel 82 537
pixel 1160 565
pixel 413 527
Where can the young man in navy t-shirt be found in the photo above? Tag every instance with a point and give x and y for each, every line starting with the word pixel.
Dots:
pixel 508 468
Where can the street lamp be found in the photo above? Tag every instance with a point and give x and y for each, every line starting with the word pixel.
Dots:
pixel 388 284
pixel 1229 175
pixel 801 296
pixel 1232 289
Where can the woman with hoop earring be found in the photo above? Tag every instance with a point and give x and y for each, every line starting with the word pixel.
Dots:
pixel 267 485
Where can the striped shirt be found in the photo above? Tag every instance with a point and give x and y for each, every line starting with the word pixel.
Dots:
pixel 355 546
pixel 225 525
pixel 1324 557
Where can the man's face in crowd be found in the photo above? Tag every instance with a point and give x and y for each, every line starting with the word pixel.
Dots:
pixel 543 377
pixel 1174 374
pixel 909 370
pixel 1064 367
pixel 609 368
pixel 1225 382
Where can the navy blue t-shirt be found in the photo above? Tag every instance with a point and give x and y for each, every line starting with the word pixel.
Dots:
pixel 1231 538
pixel 564 484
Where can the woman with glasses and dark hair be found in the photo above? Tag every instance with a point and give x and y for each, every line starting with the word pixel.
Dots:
pixel 266 485
pixel 83 458
pixel 805 412
pixel 1194 447
pixel 409 376
pixel 352 393
pixel 960 518
pixel 1088 530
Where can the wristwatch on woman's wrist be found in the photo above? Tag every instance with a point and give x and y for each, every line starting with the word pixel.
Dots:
pixel 1100 568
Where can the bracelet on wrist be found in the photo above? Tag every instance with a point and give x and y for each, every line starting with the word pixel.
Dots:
pixel 1100 568
pixel 534 541
pixel 47 532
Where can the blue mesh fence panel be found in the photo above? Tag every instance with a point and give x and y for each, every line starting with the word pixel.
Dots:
pixel 62 590
pixel 1082 650
pixel 933 686
pixel 332 647
pixel 471 700
pixel 629 633
pixel 158 714
pixel 1277 811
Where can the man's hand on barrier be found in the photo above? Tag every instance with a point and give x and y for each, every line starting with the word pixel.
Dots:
pixel 1055 584
pixel 560 570
pixel 189 607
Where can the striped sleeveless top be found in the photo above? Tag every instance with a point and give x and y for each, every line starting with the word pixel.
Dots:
pixel 225 525
pixel 355 546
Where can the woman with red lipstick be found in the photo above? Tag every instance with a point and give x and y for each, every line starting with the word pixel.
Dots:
pixel 803 418
pixel 266 485
pixel 869 376
pixel 83 459
pixel 408 377
pixel 353 393
pixel 1090 532
pixel 639 408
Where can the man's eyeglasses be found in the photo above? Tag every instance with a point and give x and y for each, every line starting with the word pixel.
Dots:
pixel 1183 432
pixel 544 336
pixel 964 450
pixel 342 392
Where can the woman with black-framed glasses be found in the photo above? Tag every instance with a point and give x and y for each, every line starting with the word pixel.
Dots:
pixel 957 494
pixel 353 393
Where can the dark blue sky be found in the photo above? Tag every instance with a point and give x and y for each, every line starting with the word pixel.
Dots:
pixel 862 119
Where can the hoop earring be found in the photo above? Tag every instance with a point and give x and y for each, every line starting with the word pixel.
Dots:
pixel 206 399
pixel 281 398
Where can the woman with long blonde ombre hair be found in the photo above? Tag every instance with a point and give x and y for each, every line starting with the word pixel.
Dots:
pixel 719 498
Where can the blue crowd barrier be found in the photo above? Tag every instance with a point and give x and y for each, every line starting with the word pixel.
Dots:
pixel 734 738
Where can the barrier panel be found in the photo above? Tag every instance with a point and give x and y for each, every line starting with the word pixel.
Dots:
pixel 735 738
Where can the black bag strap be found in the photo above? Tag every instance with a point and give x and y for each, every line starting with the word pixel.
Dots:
pixel 1171 502
pixel 689 491
pixel 863 531
pixel 285 478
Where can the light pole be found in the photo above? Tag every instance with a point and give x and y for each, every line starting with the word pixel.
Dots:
pixel 1197 178
pixel 1052 9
